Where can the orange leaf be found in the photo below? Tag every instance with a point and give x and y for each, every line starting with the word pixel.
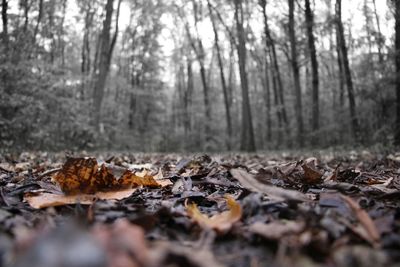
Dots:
pixel 221 222
pixel 43 200
pixel 83 176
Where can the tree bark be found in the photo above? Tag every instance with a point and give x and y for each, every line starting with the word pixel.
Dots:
pixel 222 77
pixel 397 61
pixel 247 135
pixel 380 38
pixel 346 70
pixel 296 76
pixel 39 19
pixel 104 66
pixel 309 17
pixel 276 75
pixel 4 18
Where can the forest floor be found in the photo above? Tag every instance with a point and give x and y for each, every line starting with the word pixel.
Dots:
pixel 121 209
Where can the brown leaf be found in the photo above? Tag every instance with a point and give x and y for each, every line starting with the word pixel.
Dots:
pixel 221 222
pixel 311 175
pixel 250 182
pixel 43 200
pixel 366 221
pixel 83 176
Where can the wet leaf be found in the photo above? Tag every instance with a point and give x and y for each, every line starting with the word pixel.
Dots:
pixel 220 222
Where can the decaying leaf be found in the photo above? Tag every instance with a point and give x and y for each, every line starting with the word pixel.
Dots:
pixel 43 200
pixel 366 221
pixel 83 176
pixel 250 182
pixel 221 222
pixel 277 229
pixel 311 175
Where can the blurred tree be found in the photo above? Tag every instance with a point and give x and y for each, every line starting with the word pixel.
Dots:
pixel 296 76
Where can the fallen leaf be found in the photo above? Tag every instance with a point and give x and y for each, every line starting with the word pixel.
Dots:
pixel 83 176
pixel 366 221
pixel 221 222
pixel 311 175
pixel 277 229
pixel 41 200
pixel 250 182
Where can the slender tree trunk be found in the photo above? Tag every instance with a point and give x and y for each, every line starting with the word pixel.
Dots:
pixel 222 77
pixel 115 36
pixel 397 57
pixel 188 95
pixel 26 7
pixel 276 75
pixel 340 72
pixel 314 67
pixel 4 18
pixel 39 19
pixel 346 70
pixel 380 35
pixel 247 136
pixel 296 76
pixel 103 69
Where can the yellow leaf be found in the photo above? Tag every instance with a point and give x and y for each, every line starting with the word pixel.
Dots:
pixel 221 222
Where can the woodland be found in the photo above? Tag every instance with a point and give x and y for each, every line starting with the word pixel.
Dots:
pixel 199 133
pixel 161 76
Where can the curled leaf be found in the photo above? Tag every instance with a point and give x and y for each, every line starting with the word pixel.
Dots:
pixel 84 176
pixel 221 222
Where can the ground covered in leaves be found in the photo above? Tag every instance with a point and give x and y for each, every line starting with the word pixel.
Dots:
pixel 125 210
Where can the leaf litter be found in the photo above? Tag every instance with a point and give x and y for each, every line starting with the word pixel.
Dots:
pixel 199 210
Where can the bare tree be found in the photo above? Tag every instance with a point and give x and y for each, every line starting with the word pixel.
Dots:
pixel 104 62
pixel 296 75
pixel 346 69
pixel 4 18
pixel 397 61
pixel 222 77
pixel 309 17
pixel 247 135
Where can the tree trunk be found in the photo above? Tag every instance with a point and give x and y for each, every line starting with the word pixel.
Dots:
pixel 309 17
pixel 4 18
pixel 247 135
pixel 276 75
pixel 296 76
pixel 39 19
pixel 380 40
pixel 346 70
pixel 104 66
pixel 222 77
pixel 397 57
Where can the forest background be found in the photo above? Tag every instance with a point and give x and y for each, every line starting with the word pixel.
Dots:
pixel 198 75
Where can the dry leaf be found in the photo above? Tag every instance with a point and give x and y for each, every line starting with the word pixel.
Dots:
pixel 221 222
pixel 311 175
pixel 250 182
pixel 40 200
pixel 83 176
pixel 364 219
pixel 275 230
